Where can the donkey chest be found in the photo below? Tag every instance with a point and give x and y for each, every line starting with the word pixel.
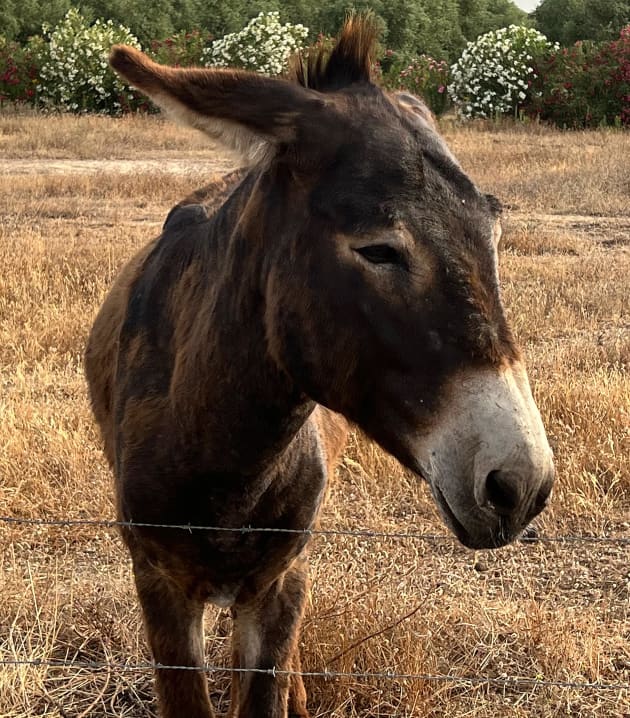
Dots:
pixel 247 530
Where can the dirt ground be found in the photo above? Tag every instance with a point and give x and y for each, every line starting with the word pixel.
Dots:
pixel 217 165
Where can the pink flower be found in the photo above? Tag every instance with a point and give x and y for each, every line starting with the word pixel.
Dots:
pixel 441 89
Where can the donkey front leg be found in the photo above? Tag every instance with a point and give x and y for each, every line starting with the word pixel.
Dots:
pixel 266 632
pixel 174 626
pixel 297 692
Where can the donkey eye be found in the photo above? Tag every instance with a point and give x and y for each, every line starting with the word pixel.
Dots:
pixel 381 254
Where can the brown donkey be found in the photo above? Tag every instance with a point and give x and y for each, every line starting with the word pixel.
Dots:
pixel 352 269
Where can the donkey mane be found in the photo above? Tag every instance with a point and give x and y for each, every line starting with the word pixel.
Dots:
pixel 349 62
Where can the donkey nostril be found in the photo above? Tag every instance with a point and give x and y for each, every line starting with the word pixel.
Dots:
pixel 502 491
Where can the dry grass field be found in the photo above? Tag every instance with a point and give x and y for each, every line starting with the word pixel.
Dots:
pixel 77 197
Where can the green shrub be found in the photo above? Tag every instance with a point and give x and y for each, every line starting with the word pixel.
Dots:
pixel 75 75
pixel 494 74
pixel 183 49
pixel 264 45
pixel 587 85
pixel 423 76
pixel 19 70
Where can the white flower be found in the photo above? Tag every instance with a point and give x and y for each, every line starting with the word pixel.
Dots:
pixel 75 75
pixel 492 73
pixel 264 44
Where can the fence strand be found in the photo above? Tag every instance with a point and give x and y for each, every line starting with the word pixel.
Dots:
pixel 505 682
pixel 359 533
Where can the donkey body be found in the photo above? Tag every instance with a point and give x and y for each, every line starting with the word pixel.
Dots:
pixel 350 272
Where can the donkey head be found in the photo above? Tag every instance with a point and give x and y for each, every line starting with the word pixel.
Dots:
pixel 379 279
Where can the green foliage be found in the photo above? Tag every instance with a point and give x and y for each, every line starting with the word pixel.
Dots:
pixel 422 76
pixel 264 45
pixel 182 49
pixel 409 26
pixel 477 17
pixel 441 36
pixel 19 19
pixel 75 75
pixel 586 85
pixel 505 70
pixel 9 21
pixel 147 19
pixel 437 27
pixel 19 70
pixel 493 75
pixel 567 21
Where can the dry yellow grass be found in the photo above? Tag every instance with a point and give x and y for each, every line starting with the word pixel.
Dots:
pixel 544 611
pixel 96 137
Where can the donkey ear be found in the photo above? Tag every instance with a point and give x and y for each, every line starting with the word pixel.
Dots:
pixel 242 110
pixel 495 204
pixel 496 208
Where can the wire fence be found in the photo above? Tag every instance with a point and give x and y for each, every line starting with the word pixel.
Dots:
pixel 359 533
pixel 505 682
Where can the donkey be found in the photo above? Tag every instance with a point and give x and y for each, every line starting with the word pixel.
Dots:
pixel 349 274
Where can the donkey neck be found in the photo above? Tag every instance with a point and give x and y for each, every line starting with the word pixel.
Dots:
pixel 225 385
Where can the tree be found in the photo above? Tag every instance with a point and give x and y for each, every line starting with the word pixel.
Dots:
pixel 220 17
pixel 477 17
pixel 605 18
pixel 409 26
pixel 473 18
pixel 147 19
pixel 441 36
pixel 438 27
pixel 567 21
pixel 8 20
pixel 19 19
pixel 503 13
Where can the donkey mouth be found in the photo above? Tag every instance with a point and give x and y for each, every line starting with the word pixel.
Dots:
pixel 454 524
pixel 488 539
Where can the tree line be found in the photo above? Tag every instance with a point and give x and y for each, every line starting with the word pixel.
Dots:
pixel 567 21
pixel 440 28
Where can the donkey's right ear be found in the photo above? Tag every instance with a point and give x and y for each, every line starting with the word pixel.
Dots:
pixel 246 112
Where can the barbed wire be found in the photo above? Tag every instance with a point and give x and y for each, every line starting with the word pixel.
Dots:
pixel 359 533
pixel 505 682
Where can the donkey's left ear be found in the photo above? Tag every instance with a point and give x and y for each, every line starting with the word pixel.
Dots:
pixel 242 110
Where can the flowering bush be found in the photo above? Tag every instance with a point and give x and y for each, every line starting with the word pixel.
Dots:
pixel 425 77
pixel 75 74
pixel 568 88
pixel 182 49
pixel 508 71
pixel 264 44
pixel 494 74
pixel 616 55
pixel 587 85
pixel 19 69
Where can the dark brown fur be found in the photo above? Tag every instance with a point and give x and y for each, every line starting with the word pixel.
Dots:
pixel 349 63
pixel 227 350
